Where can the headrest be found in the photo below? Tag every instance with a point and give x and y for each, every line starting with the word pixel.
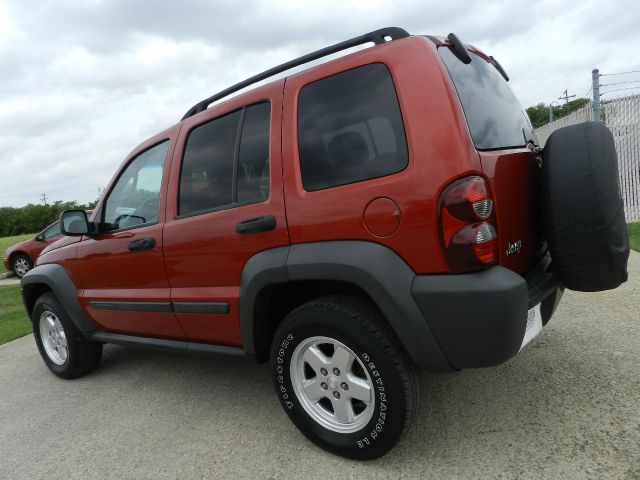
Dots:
pixel 348 147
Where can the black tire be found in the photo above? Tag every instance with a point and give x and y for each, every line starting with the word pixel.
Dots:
pixel 380 361
pixel 82 355
pixel 583 212
pixel 19 263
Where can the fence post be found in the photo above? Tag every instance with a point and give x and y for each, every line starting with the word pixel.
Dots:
pixel 597 106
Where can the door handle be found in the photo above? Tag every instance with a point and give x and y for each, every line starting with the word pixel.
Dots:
pixel 256 225
pixel 142 244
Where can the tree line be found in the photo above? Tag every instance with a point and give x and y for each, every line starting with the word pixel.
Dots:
pixel 539 114
pixel 32 218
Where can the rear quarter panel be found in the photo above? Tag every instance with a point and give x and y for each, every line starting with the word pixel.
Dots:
pixel 439 147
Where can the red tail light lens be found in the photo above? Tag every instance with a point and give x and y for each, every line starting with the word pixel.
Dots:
pixel 467 225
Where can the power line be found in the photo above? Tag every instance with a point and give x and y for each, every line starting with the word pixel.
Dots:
pixel 621 73
pixel 619 90
pixel 44 198
pixel 619 83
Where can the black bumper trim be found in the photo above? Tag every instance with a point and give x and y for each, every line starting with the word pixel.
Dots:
pixel 479 319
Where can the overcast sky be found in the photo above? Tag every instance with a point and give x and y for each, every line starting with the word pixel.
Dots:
pixel 83 82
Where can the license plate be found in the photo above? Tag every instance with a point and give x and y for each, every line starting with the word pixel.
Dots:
pixel 534 325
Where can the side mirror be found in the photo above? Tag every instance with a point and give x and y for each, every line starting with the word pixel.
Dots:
pixel 40 237
pixel 74 223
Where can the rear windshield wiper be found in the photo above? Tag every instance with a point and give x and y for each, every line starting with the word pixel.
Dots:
pixel 496 64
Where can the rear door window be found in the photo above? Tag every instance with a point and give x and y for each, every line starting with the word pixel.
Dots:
pixel 350 128
pixel 495 117
pixel 226 162
pixel 206 180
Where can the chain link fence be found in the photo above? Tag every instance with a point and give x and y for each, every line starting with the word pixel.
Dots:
pixel 622 116
pixel 584 114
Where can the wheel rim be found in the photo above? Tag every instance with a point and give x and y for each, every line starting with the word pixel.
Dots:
pixel 21 266
pixel 53 338
pixel 332 384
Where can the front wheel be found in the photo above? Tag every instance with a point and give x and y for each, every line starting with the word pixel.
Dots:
pixel 62 346
pixel 21 265
pixel 342 379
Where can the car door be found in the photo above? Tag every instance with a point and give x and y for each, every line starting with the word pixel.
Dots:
pixel 43 240
pixel 122 274
pixel 226 205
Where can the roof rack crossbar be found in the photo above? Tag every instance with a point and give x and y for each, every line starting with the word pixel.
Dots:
pixel 377 37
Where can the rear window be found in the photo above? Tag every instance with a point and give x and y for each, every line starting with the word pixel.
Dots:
pixel 494 115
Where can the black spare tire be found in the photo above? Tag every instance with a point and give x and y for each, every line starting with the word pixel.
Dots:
pixel 583 213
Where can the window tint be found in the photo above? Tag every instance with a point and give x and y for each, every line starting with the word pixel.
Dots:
pixel 350 128
pixel 207 179
pixel 494 115
pixel 135 198
pixel 253 160
pixel 52 231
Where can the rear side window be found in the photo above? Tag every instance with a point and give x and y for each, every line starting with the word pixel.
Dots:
pixel 350 128
pixel 494 115
pixel 253 159
pixel 226 162
pixel 206 180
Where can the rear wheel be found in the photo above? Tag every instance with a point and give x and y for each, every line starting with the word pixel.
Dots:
pixel 342 379
pixel 21 264
pixel 62 346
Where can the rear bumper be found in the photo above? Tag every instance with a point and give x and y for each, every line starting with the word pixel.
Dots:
pixel 479 319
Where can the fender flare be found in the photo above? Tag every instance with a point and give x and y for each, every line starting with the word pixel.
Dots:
pixel 56 279
pixel 374 268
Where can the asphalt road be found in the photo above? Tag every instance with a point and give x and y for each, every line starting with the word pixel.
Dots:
pixel 568 406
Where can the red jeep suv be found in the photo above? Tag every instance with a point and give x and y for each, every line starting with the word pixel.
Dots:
pixel 379 214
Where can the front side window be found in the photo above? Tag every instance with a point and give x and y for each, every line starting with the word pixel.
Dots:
pixel 135 198
pixel 350 128
pixel 226 162
pixel 52 231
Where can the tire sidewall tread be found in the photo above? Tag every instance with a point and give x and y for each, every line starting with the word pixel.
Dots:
pixel 83 356
pixel 357 325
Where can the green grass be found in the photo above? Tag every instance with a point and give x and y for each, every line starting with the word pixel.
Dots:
pixel 634 235
pixel 6 242
pixel 14 322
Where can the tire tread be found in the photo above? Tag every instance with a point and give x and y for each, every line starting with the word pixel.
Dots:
pixel 367 317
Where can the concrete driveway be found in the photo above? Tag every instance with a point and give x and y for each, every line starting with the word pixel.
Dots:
pixel 567 407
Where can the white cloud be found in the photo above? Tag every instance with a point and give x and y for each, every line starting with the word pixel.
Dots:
pixel 83 82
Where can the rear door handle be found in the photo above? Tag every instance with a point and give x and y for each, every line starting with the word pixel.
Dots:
pixel 142 244
pixel 256 225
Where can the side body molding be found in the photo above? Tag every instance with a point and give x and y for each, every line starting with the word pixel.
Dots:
pixel 377 270
pixel 56 278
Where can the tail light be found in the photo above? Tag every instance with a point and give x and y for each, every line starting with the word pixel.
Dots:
pixel 467 225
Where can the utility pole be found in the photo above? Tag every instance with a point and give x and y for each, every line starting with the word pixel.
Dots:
pixel 566 96
pixel 44 198
pixel 597 106
pixel 551 111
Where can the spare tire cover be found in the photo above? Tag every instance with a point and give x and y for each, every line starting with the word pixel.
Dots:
pixel 583 213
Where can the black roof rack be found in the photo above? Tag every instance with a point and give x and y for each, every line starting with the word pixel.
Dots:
pixel 377 37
